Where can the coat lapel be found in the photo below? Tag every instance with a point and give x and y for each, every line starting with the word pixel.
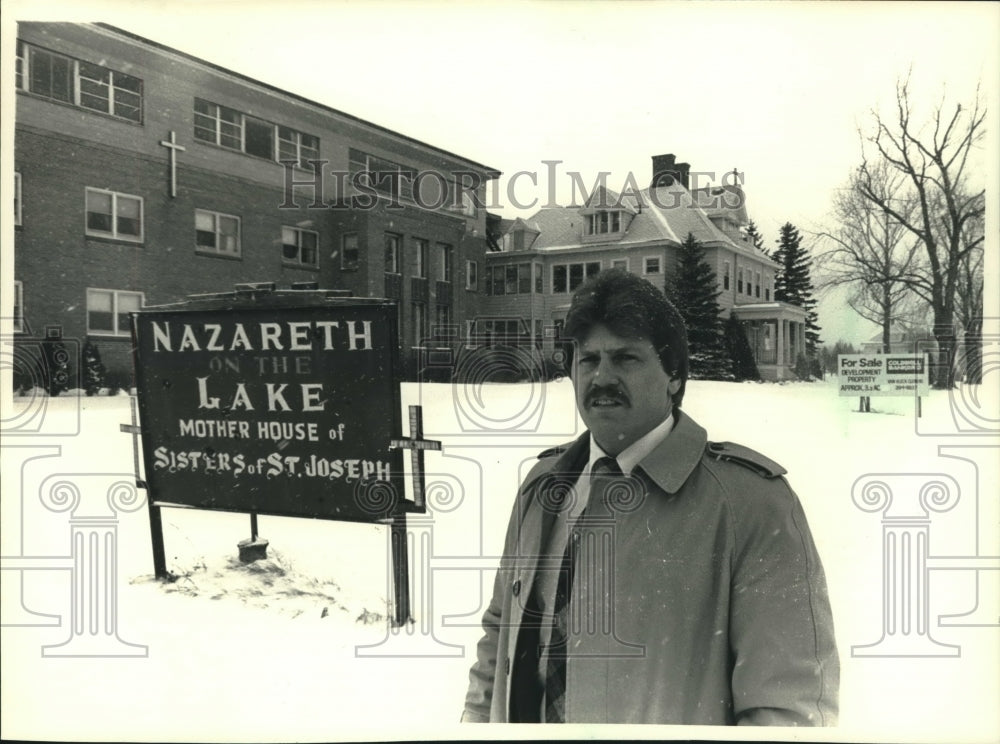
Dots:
pixel 546 485
pixel 676 457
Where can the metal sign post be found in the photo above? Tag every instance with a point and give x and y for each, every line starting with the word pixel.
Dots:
pixel 400 550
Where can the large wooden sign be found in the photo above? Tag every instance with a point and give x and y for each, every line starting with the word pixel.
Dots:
pixel 273 407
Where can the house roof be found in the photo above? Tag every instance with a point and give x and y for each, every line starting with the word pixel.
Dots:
pixel 665 214
pixel 727 199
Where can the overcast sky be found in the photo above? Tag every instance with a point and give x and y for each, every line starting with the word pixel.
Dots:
pixel 776 90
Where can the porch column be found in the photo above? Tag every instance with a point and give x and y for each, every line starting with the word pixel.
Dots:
pixel 779 334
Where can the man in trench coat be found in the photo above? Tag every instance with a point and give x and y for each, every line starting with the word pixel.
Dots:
pixel 684 590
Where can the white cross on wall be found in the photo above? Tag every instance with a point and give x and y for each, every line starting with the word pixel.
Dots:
pixel 173 147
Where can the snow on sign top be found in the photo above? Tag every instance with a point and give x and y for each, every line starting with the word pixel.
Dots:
pixel 286 410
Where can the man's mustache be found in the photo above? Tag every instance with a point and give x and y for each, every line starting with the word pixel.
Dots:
pixel 606 391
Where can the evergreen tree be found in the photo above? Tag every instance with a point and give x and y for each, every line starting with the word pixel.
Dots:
pixel 793 283
pixel 744 365
pixel 695 292
pixel 756 239
pixel 93 369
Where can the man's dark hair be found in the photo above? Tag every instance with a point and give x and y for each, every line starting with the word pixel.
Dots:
pixel 630 307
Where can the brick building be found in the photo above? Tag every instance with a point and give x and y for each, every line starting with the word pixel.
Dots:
pixel 144 175
pixel 529 282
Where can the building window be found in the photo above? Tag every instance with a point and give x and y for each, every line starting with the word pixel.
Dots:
pixel 620 263
pixel 18 306
pixel 392 242
pixel 651 265
pixel 113 215
pixel 226 127
pixel 471 275
pixel 296 146
pixel 381 174
pixel 504 331
pixel 767 289
pixel 108 309
pixel 567 277
pixel 419 323
pixel 739 281
pixel 756 285
pixel 258 138
pixel 446 251
pixel 299 246
pixel 110 92
pixel 216 233
pixel 350 256
pixel 420 268
pixel 524 278
pixel 560 278
pixel 603 222
pixel 20 65
pixel 17 198
pixel 510 283
pixel 513 279
pixel 50 75
pixel 79 83
pixel 725 275
pixel 218 125
pixel 442 321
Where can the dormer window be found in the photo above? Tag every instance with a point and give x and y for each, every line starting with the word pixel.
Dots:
pixel 604 222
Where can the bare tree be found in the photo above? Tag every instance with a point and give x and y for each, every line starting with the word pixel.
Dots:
pixel 871 251
pixel 969 306
pixel 933 157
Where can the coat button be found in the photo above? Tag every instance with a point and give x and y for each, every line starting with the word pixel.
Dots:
pixel 516 588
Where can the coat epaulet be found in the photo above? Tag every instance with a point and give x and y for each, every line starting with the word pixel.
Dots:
pixel 553 451
pixel 746 457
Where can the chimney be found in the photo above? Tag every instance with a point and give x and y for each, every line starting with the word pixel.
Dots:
pixel 666 171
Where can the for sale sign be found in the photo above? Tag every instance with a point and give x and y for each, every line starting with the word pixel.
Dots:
pixel 285 410
pixel 882 374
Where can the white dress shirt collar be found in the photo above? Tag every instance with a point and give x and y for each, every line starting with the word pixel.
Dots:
pixel 632 455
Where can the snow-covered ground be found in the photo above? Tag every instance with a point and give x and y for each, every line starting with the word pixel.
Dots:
pixel 298 647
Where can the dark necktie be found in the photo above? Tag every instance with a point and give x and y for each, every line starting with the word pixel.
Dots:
pixel 604 471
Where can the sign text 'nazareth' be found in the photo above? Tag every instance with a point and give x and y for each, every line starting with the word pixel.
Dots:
pixel 263 336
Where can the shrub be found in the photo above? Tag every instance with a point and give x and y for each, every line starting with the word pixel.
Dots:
pixel 117 380
pixel 804 368
pixel 93 370
pixel 744 366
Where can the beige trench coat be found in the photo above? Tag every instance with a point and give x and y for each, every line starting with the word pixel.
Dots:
pixel 711 609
